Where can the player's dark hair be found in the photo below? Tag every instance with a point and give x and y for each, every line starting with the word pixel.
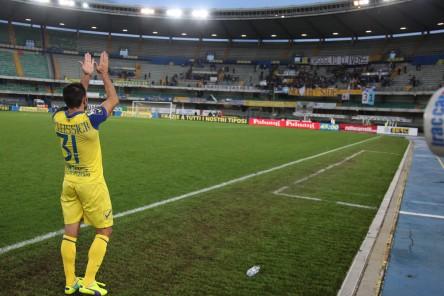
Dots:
pixel 73 95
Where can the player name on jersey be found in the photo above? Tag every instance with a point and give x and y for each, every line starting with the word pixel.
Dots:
pixel 73 129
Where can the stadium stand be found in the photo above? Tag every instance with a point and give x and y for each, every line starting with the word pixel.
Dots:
pixel 23 87
pixel 34 64
pixel 62 39
pixel 24 34
pixel 418 77
pixel 391 104
pixel 4 34
pixel 400 78
pixel 158 73
pixel 92 42
pixel 7 65
pixel 68 65
pixel 160 48
pixel 144 47
pixel 239 67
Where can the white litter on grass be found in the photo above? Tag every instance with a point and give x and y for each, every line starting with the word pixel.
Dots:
pixel 253 271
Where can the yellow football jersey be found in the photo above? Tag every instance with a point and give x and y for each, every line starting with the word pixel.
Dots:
pixel 80 144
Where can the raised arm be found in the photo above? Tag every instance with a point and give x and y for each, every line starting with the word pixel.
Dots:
pixel 112 100
pixel 87 69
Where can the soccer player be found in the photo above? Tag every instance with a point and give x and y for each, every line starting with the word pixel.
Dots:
pixel 84 195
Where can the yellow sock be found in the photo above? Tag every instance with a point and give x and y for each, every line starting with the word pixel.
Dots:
pixel 68 250
pixel 95 257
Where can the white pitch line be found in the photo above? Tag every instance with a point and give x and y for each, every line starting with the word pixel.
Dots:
pixel 329 167
pixel 342 203
pixel 50 235
pixel 300 197
pixel 422 215
pixel 338 191
pixel 280 190
pixel 440 162
pixel 353 205
pixel 383 152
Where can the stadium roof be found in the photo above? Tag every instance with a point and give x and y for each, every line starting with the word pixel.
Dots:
pixel 215 3
pixel 341 19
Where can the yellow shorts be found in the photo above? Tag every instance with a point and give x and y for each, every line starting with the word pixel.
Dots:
pixel 89 201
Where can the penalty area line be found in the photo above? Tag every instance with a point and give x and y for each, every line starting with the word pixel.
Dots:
pixel 315 174
pixel 53 234
pixel 341 203
pixel 281 190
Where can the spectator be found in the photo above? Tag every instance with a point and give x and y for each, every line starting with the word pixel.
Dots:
pixel 413 81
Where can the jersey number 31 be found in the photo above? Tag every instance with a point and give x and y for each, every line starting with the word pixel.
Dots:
pixel 69 153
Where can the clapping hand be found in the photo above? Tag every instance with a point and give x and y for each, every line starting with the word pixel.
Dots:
pixel 87 64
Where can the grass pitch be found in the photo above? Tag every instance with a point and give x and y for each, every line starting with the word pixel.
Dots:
pixel 202 245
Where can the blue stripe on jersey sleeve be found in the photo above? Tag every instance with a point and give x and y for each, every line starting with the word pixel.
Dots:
pixel 97 116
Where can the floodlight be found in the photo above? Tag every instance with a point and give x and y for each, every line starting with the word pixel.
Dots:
pixel 304 35
pixel 184 34
pixel 368 31
pixel 147 11
pixel 213 35
pixel 67 3
pixel 85 5
pixel 273 36
pixel 361 2
pixel 176 13
pixel 200 14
